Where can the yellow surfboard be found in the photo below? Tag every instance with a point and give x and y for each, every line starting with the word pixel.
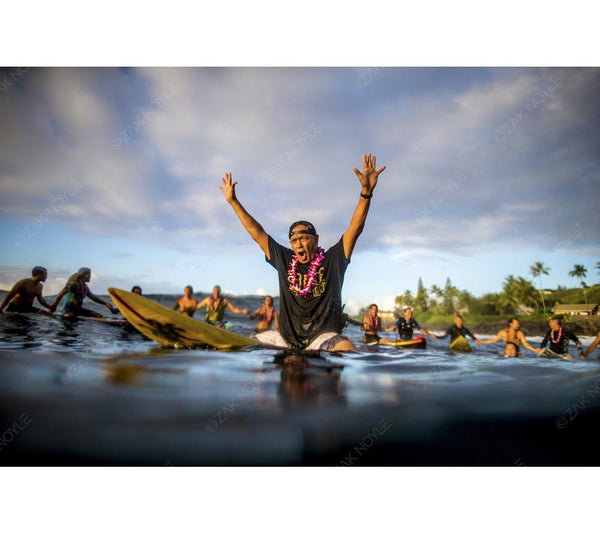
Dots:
pixel 173 329
pixel 460 344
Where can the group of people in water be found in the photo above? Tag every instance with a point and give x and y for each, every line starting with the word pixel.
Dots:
pixel 557 336
pixel 216 304
pixel 310 285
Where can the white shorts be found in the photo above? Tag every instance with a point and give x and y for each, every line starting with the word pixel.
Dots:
pixel 325 341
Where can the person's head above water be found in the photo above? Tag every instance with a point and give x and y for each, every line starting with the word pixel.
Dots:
pixel 304 240
pixel 373 309
pixel 85 273
pixel 40 272
pixel 188 291
pixel 408 311
pixel 268 301
pixel 511 349
pixel 513 323
pixel 555 321
pixel 136 289
pixel 458 320
pixel 216 292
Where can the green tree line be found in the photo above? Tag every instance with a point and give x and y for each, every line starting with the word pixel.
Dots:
pixel 518 296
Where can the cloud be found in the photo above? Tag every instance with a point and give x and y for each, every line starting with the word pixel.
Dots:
pixel 147 149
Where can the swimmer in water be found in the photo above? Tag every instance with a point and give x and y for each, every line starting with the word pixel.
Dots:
pixel 20 298
pixel 215 308
pixel 186 304
pixel 266 314
pixel 512 334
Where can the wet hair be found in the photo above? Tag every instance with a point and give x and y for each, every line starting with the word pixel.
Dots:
pixel 556 318
pixel 37 270
pixel 84 270
pixel 371 305
pixel 458 316
pixel 136 287
pixel 190 287
pixel 269 297
pixel 217 287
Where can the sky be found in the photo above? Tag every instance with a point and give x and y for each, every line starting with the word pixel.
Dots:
pixel 118 169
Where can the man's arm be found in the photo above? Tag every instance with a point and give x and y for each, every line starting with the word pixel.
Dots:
pixel 500 335
pixel 100 301
pixel 204 302
pixel 256 231
pixel 234 309
pixel 526 343
pixel 368 181
pixel 40 298
pixel 574 338
pixel 592 346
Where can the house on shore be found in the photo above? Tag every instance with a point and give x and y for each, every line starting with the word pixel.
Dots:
pixel 575 309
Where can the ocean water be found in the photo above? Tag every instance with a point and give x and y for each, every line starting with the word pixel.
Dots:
pixel 89 393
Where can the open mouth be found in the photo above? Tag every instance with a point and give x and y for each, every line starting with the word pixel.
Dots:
pixel 302 256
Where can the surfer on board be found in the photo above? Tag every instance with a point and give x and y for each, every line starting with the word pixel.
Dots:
pixel 20 297
pixel 371 324
pixel 310 278
pixel 406 325
pixel 76 290
pixel 215 307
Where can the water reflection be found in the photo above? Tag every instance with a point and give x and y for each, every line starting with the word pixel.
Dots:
pixel 308 379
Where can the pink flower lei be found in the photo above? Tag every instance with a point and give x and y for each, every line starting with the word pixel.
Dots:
pixel 311 276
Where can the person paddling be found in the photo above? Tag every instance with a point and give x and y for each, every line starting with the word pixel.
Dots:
pixel 215 308
pixel 20 298
pixel 310 278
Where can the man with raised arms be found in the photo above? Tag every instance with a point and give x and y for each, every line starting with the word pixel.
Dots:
pixel 20 297
pixel 511 335
pixel 310 278
pixel 215 307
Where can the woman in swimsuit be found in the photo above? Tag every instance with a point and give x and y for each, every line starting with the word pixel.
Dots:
pixel 266 314
pixel 186 304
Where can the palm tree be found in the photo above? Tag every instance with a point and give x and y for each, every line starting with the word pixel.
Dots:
pixel 538 269
pixel 580 271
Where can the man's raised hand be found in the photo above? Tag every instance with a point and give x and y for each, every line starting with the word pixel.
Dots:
pixel 228 188
pixel 368 178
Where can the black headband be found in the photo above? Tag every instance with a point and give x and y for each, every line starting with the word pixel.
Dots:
pixel 310 229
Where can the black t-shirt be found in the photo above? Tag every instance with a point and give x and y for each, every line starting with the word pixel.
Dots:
pixel 454 332
pixel 302 319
